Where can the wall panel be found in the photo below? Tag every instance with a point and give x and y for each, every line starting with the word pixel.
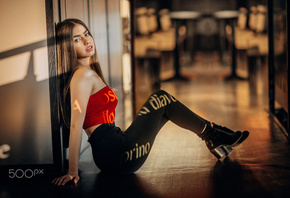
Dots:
pixel 75 9
pixel 25 103
pixel 98 27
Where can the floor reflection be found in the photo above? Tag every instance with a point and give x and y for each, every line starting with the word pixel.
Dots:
pixel 231 179
pixel 107 185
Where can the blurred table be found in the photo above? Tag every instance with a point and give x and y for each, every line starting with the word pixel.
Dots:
pixel 178 17
pixel 230 16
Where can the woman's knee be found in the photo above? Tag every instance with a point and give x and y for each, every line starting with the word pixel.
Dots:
pixel 160 92
pixel 160 99
pixel 163 94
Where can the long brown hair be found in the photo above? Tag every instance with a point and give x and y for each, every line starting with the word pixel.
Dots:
pixel 67 63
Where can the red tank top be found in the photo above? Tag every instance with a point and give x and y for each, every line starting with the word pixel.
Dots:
pixel 101 108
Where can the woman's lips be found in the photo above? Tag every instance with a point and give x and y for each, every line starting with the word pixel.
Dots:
pixel 90 48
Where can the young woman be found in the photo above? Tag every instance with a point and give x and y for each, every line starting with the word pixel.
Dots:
pixel 88 103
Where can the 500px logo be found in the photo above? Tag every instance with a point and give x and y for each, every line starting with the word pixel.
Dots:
pixel 28 173
pixel 4 149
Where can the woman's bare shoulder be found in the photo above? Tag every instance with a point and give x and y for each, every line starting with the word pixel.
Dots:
pixel 86 77
pixel 83 73
pixel 81 77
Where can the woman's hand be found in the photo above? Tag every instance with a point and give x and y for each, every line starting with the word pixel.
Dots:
pixel 66 178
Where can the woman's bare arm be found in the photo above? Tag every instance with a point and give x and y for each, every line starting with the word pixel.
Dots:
pixel 80 90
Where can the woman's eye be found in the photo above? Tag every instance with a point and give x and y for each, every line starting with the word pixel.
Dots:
pixel 87 34
pixel 76 40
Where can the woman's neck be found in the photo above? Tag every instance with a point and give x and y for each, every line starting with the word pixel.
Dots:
pixel 85 62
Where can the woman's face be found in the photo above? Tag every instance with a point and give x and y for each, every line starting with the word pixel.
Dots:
pixel 83 42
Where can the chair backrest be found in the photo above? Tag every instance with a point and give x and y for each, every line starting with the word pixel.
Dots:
pixel 242 19
pixel 152 20
pixel 257 18
pixel 253 18
pixel 165 20
pixel 261 18
pixel 142 21
pixel 146 20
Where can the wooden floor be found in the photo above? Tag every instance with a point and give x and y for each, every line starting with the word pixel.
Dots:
pixel 180 165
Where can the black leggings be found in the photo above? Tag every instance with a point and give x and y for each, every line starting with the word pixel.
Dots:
pixel 125 152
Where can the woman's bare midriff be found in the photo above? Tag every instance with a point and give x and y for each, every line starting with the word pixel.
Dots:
pixel 89 131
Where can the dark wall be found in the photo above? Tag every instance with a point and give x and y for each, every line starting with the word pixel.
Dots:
pixel 206 6
pixel 196 5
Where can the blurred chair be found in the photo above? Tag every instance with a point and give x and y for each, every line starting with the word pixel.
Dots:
pixel 148 36
pixel 148 32
pixel 151 42
pixel 165 20
pixel 260 38
pixel 252 41
pixel 142 27
pixel 166 35
pixel 242 33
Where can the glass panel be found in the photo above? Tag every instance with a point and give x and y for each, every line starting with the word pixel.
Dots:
pixel 126 61
pixel 280 57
